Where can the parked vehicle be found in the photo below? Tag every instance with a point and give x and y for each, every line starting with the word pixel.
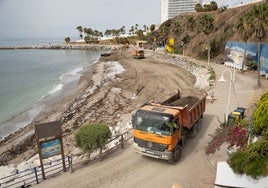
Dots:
pixel 160 129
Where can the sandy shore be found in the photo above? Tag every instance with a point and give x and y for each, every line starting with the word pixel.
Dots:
pixel 98 98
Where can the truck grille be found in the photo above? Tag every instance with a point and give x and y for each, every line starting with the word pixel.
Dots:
pixel 151 145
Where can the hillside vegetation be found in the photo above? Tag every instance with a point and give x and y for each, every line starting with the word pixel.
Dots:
pixel 190 40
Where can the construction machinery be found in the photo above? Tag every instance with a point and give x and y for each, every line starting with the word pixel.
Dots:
pixel 160 129
pixel 138 54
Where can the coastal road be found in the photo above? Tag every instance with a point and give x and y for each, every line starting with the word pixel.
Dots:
pixel 195 169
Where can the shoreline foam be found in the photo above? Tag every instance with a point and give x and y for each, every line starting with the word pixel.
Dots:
pixel 67 82
pixel 55 110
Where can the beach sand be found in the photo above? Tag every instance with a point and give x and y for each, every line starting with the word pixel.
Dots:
pixel 103 96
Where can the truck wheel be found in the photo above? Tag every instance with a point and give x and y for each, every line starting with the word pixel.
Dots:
pixel 176 154
pixel 193 131
pixel 199 125
pixel 183 140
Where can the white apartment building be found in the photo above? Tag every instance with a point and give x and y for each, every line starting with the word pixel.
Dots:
pixel 171 8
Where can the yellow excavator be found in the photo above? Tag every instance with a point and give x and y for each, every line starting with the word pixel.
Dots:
pixel 170 45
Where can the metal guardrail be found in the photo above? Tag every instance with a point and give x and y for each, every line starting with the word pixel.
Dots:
pixel 32 176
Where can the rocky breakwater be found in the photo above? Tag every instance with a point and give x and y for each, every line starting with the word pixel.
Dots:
pixel 71 46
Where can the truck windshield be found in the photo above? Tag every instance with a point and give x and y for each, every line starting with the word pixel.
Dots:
pixel 153 123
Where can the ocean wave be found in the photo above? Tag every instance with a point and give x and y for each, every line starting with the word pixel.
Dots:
pixel 74 72
pixel 50 87
pixel 56 88
pixel 71 76
pixel 20 120
pixel 66 78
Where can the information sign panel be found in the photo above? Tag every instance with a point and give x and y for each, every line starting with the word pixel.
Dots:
pixel 50 148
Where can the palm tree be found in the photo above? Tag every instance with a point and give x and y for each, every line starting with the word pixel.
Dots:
pixel 96 35
pixel 213 5
pixel 164 30
pixel 108 32
pixel 191 22
pixel 140 35
pixel 257 20
pixel 152 28
pixel 131 31
pixel 136 27
pixel 145 28
pixel 80 30
pixel 88 32
pixel 123 30
pixel 206 26
pixel 245 32
pixel 67 40
pixel 198 7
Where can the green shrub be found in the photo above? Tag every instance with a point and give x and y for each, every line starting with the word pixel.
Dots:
pixel 264 97
pixel 261 115
pixel 92 136
pixel 253 161
pixel 252 65
pixel 212 73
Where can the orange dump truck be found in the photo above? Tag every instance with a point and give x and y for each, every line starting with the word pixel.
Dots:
pixel 160 129
pixel 138 54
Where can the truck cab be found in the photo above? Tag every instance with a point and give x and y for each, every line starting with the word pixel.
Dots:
pixel 157 131
pixel 138 54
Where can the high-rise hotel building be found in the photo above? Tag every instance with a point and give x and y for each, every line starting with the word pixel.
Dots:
pixel 171 8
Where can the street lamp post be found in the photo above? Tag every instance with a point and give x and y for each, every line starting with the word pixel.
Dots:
pixel 208 48
pixel 229 92
pixel 182 45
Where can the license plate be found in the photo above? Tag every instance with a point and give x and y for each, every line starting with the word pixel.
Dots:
pixel 150 152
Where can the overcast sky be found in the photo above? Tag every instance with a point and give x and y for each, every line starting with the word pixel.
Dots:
pixel 59 18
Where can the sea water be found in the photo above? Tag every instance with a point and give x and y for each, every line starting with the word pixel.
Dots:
pixel 16 42
pixel 30 79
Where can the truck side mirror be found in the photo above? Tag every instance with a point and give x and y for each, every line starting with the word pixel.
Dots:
pixel 176 125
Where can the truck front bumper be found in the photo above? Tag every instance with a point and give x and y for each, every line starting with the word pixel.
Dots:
pixel 166 155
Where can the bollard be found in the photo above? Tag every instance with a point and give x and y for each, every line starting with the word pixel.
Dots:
pixel 36 176
pixel 100 154
pixel 122 141
pixel 70 161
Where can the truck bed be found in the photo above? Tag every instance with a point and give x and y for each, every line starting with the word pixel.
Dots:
pixel 190 101
pixel 192 107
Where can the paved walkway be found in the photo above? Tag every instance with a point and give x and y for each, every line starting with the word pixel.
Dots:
pixel 243 90
pixel 243 93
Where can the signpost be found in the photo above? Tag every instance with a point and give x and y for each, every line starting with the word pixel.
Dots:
pixel 49 142
pixel 50 148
